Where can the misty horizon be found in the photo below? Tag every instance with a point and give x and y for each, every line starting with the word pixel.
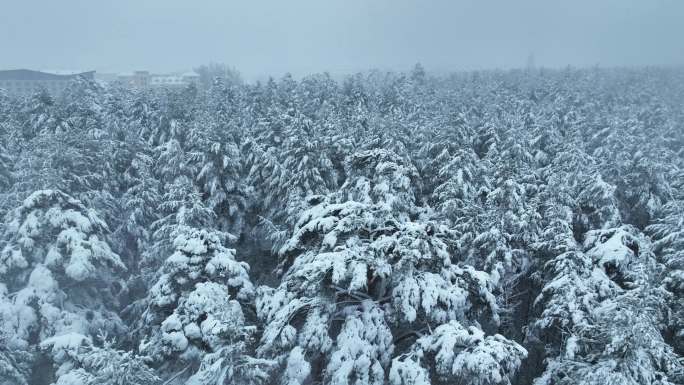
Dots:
pixel 269 38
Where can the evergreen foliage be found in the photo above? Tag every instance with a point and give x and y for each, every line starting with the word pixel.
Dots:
pixel 488 228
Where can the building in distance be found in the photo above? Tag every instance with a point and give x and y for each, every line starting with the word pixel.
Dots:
pixel 23 82
pixel 144 79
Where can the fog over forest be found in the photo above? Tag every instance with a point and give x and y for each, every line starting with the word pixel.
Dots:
pixel 269 37
pixel 342 193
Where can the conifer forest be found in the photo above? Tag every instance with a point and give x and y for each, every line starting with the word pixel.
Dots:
pixel 500 227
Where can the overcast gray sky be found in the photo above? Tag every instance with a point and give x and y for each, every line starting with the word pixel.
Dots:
pixel 261 37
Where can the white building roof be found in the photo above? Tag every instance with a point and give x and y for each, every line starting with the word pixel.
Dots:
pixel 63 72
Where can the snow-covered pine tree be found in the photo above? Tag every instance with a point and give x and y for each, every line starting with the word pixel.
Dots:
pixel 139 203
pixel 214 142
pixel 5 169
pixel 82 107
pixel 465 185
pixel 59 274
pixel 195 320
pixel 454 353
pixel 15 362
pixel 37 115
pixel 667 231
pixel 81 362
pixel 357 259
pixel 606 310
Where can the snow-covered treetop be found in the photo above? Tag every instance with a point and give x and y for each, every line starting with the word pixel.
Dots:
pixel 53 229
pixel 82 363
pixel 453 352
pixel 382 177
pixel 200 256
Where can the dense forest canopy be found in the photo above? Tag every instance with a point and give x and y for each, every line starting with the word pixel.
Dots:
pixel 486 228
